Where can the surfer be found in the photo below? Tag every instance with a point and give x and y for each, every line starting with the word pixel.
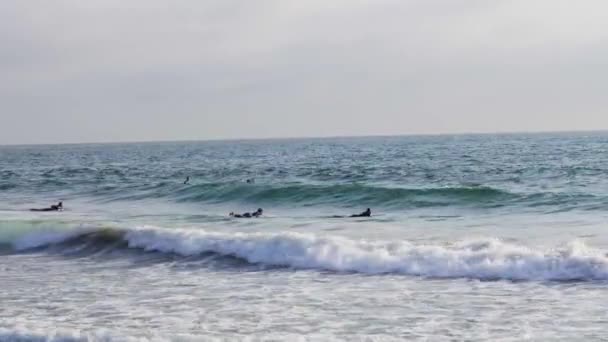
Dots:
pixel 250 181
pixel 256 213
pixel 187 180
pixel 366 213
pixel 54 207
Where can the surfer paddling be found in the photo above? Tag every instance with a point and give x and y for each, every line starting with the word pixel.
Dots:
pixel 256 213
pixel 366 213
pixel 54 207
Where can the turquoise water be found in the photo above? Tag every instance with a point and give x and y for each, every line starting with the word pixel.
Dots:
pixel 538 173
pixel 517 220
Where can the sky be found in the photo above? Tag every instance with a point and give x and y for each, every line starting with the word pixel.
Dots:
pixel 140 70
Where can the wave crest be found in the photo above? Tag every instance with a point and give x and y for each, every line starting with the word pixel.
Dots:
pixel 308 194
pixel 479 259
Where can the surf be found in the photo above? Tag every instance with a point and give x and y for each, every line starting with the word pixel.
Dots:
pixel 295 194
pixel 484 259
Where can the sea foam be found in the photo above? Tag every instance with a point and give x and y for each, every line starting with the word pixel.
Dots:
pixel 478 259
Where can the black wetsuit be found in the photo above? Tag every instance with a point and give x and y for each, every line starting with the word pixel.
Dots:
pixel 51 208
pixel 367 213
pixel 247 215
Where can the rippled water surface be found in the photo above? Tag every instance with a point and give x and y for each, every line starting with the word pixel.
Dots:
pixel 493 237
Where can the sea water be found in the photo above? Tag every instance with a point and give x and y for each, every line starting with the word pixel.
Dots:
pixel 472 237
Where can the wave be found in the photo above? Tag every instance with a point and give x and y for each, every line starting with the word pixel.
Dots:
pixel 490 259
pixel 309 195
pixel 119 184
pixel 5 186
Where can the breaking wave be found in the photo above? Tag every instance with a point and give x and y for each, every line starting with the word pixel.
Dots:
pixel 479 259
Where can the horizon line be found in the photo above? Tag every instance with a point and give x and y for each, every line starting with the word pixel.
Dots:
pixel 278 138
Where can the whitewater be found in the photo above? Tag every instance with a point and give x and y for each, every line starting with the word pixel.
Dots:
pixel 480 237
pixel 478 259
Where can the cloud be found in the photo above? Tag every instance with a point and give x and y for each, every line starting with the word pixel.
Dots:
pixel 146 70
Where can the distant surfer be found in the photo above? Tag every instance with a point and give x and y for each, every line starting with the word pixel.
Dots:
pixel 54 207
pixel 250 181
pixel 256 213
pixel 366 213
pixel 187 180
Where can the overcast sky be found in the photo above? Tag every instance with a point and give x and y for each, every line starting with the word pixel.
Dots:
pixel 132 70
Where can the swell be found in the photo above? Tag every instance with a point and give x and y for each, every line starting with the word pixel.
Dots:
pixel 353 195
pixel 478 259
pixel 310 195
pixel 7 186
pixel 114 184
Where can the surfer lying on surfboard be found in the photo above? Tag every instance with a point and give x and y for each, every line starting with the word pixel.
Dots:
pixel 54 207
pixel 256 213
pixel 366 213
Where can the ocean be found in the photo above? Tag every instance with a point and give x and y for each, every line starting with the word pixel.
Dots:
pixel 472 237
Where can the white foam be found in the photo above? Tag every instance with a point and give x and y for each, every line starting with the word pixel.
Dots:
pixel 482 259
pixel 479 259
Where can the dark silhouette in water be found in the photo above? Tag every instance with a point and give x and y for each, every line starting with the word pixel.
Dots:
pixel 257 213
pixel 366 213
pixel 250 181
pixel 54 207
pixel 187 180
